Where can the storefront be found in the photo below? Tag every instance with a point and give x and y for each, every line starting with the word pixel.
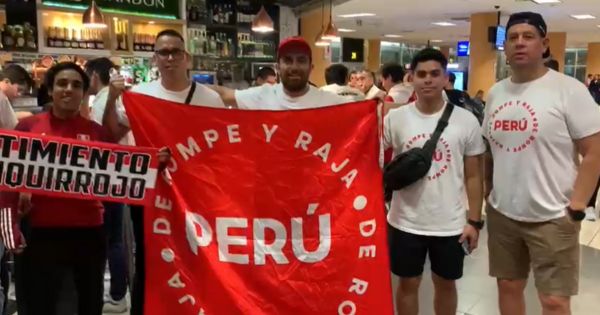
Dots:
pixel 225 50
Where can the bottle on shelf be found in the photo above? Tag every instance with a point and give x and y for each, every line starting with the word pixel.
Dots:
pixel 59 39
pixel 121 36
pixel 7 37
pixel 51 36
pixel 137 41
pixel 68 38
pixel 100 40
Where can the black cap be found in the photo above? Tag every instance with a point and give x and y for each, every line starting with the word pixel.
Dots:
pixel 531 18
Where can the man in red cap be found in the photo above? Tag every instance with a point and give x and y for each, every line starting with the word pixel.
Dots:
pixel 294 63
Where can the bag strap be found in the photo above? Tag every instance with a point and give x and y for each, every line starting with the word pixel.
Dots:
pixel 439 129
pixel 188 99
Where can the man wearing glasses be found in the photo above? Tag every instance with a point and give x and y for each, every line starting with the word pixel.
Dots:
pixel 174 85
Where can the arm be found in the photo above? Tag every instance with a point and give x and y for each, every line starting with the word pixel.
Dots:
pixel 474 185
pixel 8 119
pixel 226 94
pixel 588 172
pixel 488 172
pixel 111 119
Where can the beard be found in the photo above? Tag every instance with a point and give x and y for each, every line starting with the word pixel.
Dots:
pixel 295 84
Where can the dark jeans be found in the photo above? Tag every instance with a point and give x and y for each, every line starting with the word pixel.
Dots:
pixel 117 263
pixel 137 294
pixel 51 254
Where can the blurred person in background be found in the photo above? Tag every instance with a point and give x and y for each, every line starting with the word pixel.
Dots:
pixel 366 83
pixel 14 81
pixel 392 77
pixel 265 75
pixel 336 77
pixel 99 72
pixel 353 79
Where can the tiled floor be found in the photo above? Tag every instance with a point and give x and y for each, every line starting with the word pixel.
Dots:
pixel 478 293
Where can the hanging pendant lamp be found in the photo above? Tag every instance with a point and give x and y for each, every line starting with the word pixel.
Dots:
pixel 92 17
pixel 320 41
pixel 330 32
pixel 262 22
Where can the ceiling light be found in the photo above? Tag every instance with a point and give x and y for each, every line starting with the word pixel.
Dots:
pixel 436 40
pixel 92 17
pixel 392 36
pixel 546 1
pixel 345 30
pixel 330 31
pixel 319 40
pixel 443 23
pixel 583 16
pixel 151 22
pixel 262 22
pixel 353 15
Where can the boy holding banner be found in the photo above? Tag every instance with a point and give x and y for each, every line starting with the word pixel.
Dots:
pixel 66 234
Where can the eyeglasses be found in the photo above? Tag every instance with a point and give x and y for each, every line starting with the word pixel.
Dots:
pixel 176 53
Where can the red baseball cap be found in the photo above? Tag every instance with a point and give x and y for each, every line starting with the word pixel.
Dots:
pixel 294 44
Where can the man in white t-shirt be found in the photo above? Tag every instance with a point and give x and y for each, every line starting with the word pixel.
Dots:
pixel 294 63
pixel 366 82
pixel 429 217
pixel 392 76
pixel 336 77
pixel 537 122
pixel 174 85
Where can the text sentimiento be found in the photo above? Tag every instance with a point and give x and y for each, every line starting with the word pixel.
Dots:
pixel 71 168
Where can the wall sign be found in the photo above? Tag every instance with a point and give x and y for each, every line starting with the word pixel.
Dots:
pixel 162 8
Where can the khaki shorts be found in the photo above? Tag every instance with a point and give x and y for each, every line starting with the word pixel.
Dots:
pixel 551 248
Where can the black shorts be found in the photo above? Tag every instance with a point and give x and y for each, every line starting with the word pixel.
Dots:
pixel 408 252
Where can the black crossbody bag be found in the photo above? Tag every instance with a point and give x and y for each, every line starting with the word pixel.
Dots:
pixel 412 165
pixel 190 95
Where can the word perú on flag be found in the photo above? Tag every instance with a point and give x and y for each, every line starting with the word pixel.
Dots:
pixel 72 168
pixel 265 212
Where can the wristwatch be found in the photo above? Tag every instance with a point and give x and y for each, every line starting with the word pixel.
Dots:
pixel 576 215
pixel 476 224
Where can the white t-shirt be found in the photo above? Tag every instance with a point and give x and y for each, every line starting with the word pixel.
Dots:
pixel 203 96
pixel 273 97
pixel 348 93
pixel 400 93
pixel 374 92
pixel 8 119
pixel 434 205
pixel 531 128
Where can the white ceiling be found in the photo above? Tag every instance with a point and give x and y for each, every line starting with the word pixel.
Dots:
pixel 413 18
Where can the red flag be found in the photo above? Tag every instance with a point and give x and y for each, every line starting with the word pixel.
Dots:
pixel 265 212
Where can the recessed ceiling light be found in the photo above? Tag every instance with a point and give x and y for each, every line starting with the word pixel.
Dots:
pixel 345 30
pixel 443 23
pixel 583 16
pixel 151 22
pixel 392 36
pixel 546 1
pixel 353 15
pixel 436 40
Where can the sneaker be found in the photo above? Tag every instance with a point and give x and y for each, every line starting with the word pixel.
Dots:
pixel 590 214
pixel 115 307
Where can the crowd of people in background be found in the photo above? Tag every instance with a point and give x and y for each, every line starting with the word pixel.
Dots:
pixel 531 225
